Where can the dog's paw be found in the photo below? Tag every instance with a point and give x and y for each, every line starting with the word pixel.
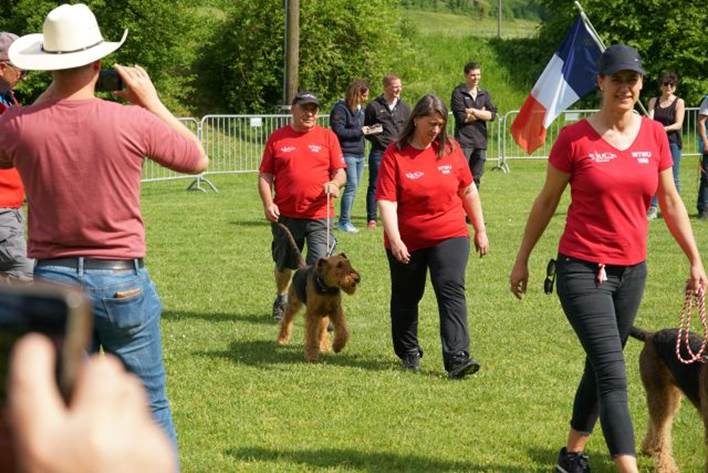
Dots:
pixel 282 341
pixel 338 346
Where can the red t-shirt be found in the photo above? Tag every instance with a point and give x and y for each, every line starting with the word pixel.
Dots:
pixel 426 190
pixel 610 191
pixel 301 163
pixel 12 193
pixel 81 162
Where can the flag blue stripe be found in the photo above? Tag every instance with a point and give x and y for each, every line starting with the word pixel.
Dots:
pixel 580 53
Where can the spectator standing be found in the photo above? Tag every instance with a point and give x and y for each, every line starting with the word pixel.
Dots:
pixel 424 191
pixel 669 110
pixel 703 149
pixel 614 161
pixel 389 112
pixel 472 108
pixel 347 122
pixel 304 164
pixel 81 160
pixel 14 263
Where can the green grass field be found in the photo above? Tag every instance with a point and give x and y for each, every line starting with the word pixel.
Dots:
pixel 451 24
pixel 243 404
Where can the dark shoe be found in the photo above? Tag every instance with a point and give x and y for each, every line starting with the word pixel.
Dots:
pixel 653 213
pixel 572 462
pixel 279 305
pixel 462 368
pixel 411 362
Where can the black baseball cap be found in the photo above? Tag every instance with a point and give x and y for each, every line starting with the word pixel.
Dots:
pixel 303 98
pixel 620 57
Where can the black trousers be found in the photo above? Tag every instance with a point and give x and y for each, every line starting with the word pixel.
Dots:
pixel 601 315
pixel 446 261
pixel 476 158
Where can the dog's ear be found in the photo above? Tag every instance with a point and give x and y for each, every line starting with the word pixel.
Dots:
pixel 343 255
pixel 321 264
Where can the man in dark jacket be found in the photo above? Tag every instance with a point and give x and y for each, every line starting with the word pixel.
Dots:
pixel 472 108
pixel 390 112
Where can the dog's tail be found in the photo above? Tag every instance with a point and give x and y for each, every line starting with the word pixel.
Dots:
pixel 639 334
pixel 300 261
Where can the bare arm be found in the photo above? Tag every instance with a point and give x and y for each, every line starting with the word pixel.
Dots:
pixel 141 91
pixel 265 190
pixel 676 219
pixel 651 106
pixel 338 180
pixel 473 208
pixel 541 212
pixel 680 113
pixel 389 216
pixel 702 131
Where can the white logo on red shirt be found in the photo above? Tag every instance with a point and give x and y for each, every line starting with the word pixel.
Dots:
pixel 602 157
pixel 287 149
pixel 643 157
pixel 315 148
pixel 415 175
pixel 445 168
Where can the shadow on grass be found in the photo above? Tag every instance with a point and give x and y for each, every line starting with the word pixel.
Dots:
pixel 262 353
pixel 250 223
pixel 259 319
pixel 373 462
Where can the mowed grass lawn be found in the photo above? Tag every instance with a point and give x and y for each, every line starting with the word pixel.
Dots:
pixel 243 404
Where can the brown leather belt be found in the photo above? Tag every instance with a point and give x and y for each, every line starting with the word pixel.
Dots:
pixel 92 263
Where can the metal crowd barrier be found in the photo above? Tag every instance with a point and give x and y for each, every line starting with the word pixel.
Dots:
pixel 234 143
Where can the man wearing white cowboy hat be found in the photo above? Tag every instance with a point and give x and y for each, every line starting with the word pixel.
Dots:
pixel 14 263
pixel 81 159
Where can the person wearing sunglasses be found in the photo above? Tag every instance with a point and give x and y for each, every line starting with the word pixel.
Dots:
pixel 614 162
pixel 669 110
pixel 14 263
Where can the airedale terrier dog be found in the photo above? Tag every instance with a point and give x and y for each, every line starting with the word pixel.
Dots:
pixel 319 287
pixel 665 379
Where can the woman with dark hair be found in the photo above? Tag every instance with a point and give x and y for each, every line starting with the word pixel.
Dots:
pixel 614 162
pixel 347 122
pixel 424 190
pixel 669 110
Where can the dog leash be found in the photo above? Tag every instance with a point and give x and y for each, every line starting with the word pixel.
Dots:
pixel 685 325
pixel 328 225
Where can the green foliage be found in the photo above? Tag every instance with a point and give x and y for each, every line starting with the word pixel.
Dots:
pixel 340 40
pixel 668 38
pixel 511 9
pixel 158 39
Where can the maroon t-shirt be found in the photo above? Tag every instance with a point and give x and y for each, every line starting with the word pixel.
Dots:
pixel 81 163
pixel 610 191
pixel 426 190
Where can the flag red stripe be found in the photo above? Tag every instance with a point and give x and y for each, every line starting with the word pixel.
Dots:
pixel 527 129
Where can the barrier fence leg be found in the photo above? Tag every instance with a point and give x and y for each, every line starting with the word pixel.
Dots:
pixel 196 184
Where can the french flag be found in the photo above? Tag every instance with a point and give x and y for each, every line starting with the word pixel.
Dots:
pixel 569 75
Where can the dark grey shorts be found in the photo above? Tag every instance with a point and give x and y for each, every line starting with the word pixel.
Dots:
pixel 13 247
pixel 314 232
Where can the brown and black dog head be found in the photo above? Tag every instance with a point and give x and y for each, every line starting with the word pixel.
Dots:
pixel 337 271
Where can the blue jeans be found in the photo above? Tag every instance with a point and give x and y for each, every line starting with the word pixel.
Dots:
pixel 675 169
pixel 702 203
pixel 374 163
pixel 127 327
pixel 355 169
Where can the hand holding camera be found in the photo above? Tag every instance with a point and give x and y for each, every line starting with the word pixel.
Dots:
pixel 372 129
pixel 138 87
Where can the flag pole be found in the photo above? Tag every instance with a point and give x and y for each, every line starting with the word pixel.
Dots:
pixel 587 22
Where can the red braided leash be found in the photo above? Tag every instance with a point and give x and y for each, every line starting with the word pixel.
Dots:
pixel 698 299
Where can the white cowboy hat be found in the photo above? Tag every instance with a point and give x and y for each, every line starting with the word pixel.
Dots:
pixel 70 38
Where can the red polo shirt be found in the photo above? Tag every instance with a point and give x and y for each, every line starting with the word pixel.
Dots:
pixel 12 192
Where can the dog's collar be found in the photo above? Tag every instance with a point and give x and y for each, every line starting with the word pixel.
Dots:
pixel 323 288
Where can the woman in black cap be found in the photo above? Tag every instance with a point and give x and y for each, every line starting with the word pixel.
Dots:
pixel 614 161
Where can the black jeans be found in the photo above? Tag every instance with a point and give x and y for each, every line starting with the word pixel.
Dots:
pixel 601 315
pixel 476 158
pixel 447 261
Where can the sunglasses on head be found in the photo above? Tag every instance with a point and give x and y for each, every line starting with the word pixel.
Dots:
pixel 550 277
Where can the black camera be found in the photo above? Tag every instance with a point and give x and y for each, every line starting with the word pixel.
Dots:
pixel 109 80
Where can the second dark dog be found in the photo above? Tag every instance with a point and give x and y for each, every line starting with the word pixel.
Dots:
pixel 665 379
pixel 319 287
